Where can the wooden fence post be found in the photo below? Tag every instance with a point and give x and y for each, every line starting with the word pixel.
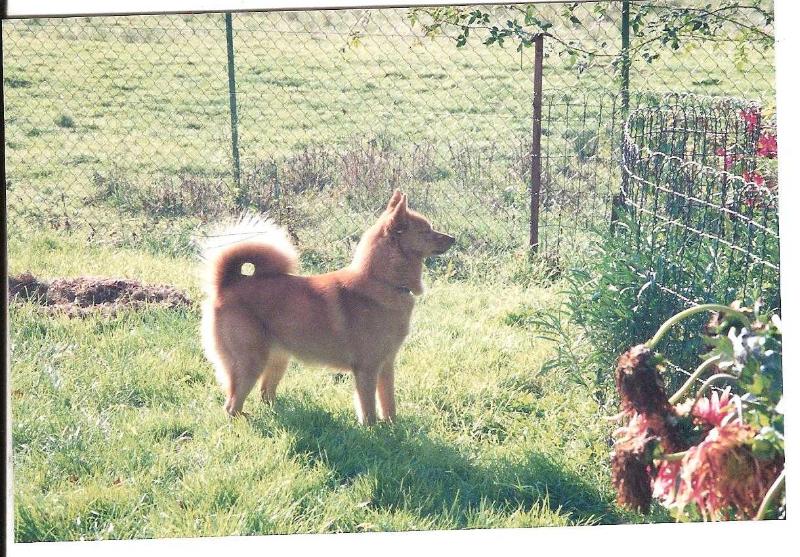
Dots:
pixel 618 200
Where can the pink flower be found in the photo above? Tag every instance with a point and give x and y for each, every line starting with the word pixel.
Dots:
pixel 751 117
pixel 723 477
pixel 767 145
pixel 667 481
pixel 717 410
pixel 728 159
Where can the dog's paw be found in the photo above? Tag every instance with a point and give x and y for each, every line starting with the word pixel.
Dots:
pixel 240 414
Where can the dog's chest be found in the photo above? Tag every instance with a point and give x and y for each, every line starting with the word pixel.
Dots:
pixel 379 326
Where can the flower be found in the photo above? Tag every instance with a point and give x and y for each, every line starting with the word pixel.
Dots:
pixel 639 383
pixel 767 145
pixel 667 481
pixel 751 117
pixel 631 464
pixel 754 177
pixel 723 477
pixel 717 410
pixel 728 158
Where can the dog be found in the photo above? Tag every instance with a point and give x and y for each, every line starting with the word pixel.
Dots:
pixel 353 319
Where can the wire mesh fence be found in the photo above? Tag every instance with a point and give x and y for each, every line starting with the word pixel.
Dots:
pixel 698 214
pixel 120 127
pixel 702 195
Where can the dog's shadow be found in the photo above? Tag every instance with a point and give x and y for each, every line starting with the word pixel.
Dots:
pixel 427 477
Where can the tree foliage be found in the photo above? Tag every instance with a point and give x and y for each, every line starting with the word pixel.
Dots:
pixel 653 26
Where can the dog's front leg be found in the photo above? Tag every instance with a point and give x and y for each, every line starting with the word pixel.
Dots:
pixel 366 379
pixel 386 403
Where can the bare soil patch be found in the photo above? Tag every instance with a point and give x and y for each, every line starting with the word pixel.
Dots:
pixel 80 296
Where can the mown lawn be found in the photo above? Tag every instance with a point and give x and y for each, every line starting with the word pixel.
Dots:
pixel 119 432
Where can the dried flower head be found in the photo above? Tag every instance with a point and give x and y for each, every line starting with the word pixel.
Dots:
pixel 723 476
pixel 639 382
pixel 631 464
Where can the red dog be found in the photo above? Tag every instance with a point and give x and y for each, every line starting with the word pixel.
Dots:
pixel 355 318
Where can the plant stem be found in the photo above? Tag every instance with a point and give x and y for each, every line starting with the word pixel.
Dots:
pixel 710 381
pixel 771 495
pixel 672 457
pixel 677 318
pixel 674 399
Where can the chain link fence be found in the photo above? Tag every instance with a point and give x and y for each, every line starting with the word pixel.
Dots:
pixel 119 128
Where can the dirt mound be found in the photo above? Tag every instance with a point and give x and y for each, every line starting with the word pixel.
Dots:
pixel 79 296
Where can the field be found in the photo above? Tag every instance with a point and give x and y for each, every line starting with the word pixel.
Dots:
pixel 117 153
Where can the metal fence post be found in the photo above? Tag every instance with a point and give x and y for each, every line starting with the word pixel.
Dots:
pixel 617 201
pixel 232 99
pixel 625 67
pixel 536 144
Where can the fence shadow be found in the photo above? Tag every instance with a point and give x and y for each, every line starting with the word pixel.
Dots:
pixel 429 478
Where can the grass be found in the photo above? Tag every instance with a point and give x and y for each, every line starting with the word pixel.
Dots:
pixel 119 432
pixel 99 95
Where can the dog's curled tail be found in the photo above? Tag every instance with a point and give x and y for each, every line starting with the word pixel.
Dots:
pixel 252 239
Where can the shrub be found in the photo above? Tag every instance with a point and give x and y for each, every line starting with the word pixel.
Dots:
pixel 65 121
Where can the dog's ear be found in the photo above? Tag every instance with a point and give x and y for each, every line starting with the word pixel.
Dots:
pixel 398 215
pixel 396 196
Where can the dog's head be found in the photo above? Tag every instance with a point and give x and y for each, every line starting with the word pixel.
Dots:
pixel 413 232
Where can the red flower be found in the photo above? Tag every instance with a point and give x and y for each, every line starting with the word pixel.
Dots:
pixel 767 145
pixel 754 177
pixel 751 117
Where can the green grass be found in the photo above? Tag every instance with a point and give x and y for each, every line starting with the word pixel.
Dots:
pixel 144 101
pixel 119 431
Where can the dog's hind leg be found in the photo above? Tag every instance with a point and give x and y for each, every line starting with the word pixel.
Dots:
pixel 272 374
pixel 242 350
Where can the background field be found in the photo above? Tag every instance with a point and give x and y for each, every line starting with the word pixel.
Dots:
pixel 118 151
